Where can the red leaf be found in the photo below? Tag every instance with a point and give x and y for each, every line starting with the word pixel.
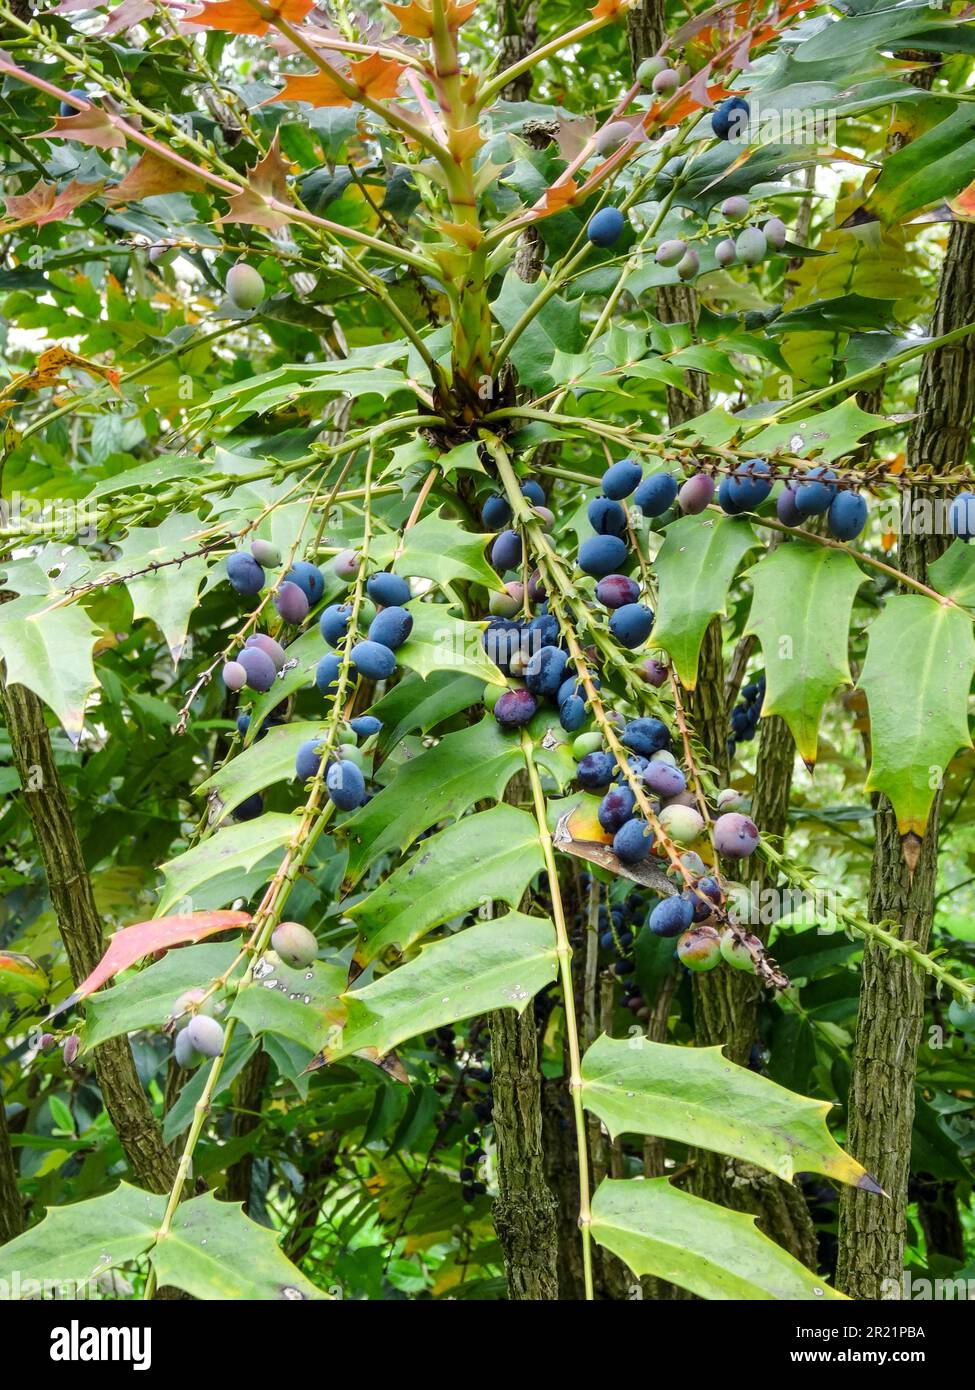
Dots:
pixel 43 203
pixel 150 176
pixel 416 19
pixel 963 205
pixel 266 181
pixel 240 17
pixel 91 127
pixel 146 938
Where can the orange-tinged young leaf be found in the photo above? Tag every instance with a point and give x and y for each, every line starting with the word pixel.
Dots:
pixel 47 371
pixel 240 17
pixel 44 203
pixel 317 88
pixel 605 9
pixel 416 19
pixel 266 181
pixel 150 176
pixel 963 205
pixel 94 127
pixel 376 76
pixel 560 195
pixel 146 938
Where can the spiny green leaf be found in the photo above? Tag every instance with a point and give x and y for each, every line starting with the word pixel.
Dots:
pixel 492 965
pixel 440 549
pixel 420 703
pixel 953 573
pixel 717 1254
pixel 214 1251
pixel 441 784
pixel 270 760
pixel 917 676
pixel 166 596
pixel 492 855
pixel 440 642
pixel 698 1097
pixel 49 651
pixel 234 848
pixel 696 564
pixel 78 1242
pixel 803 598
pixel 301 1005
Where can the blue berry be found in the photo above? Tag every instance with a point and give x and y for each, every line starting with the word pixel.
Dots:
pixel 816 492
pixel 245 574
pixel 495 513
pixel 656 494
pixel 572 713
pixel 261 671
pixel 616 808
pixel 533 492
pixel 334 623
pixel 327 673
pixel 847 515
pixel 308 759
pixel 631 625
pixel 632 841
pixel 606 517
pixel 346 786
pixel 595 770
pixel 388 590
pixel 545 670
pixel 746 488
pixel 309 579
pixel 605 227
pixel 373 660
pixel 391 627
pixel 646 735
pixel 601 555
pixel 365 725
pixel 621 478
pixel 671 917
pixel 250 808
pixel 729 120
pixel 506 551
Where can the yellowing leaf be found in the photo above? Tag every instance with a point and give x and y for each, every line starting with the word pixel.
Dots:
pixel 149 176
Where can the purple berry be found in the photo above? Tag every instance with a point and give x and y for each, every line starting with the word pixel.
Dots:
pixel 735 836
pixel 244 573
pixel 261 671
pixel 616 808
pixel 514 708
pixel 269 647
pixel 291 603
pixel 616 590
pixel 663 779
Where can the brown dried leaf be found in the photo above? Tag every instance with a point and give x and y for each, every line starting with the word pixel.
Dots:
pixel 92 127
pixel 149 176
pixel 44 203
pixel 267 181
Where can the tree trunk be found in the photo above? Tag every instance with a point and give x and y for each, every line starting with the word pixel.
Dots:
pixel 891 1014
pixel 248 1090
pixel 525 1212
pixel 11 1207
pixel 47 804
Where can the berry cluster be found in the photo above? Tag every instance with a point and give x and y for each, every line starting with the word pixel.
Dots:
pixel 746 714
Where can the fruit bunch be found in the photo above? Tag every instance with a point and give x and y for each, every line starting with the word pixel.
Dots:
pixel 746 714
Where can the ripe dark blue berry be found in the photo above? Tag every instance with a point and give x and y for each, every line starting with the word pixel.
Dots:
pixel 345 785
pixel 245 574
pixel 388 590
pixel 607 517
pixel 815 493
pixel 495 513
pixel 545 671
pixel 533 491
pixel 847 516
pixel 605 227
pixel 506 551
pixel 365 725
pixel 572 713
pixel 250 808
pixel 729 121
pixel 671 917
pixel 616 808
pixel 646 736
pixel 391 627
pixel 307 759
pixel 632 841
pixel 656 494
pixel 327 673
pixel 373 660
pixel 601 555
pixel 66 109
pixel 631 625
pixel 334 622
pixel 596 770
pixel 309 579
pixel 621 478
pixel 746 488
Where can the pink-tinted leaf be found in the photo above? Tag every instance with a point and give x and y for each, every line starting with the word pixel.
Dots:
pixel 92 127
pixel 147 938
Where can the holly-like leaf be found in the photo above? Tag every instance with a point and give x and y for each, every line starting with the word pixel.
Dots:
pixel 828 436
pixel 494 965
pixel 231 850
pixel 438 548
pixel 656 1229
pixel 146 938
pixel 302 1005
pixel 555 326
pixel 697 1096
pixel 696 564
pixel 439 642
pixel 803 599
pixel 420 703
pixel 268 760
pixel 938 164
pixel 45 202
pixel 492 855
pixel 917 676
pixel 265 200
pixel 149 177
pixel 214 1251
pixel 92 127
pixel 416 18
pixel 49 650
pixel 75 1243
pixel 165 596
pixel 146 1000
pixel 240 17
pixel 471 765
pixel 953 573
